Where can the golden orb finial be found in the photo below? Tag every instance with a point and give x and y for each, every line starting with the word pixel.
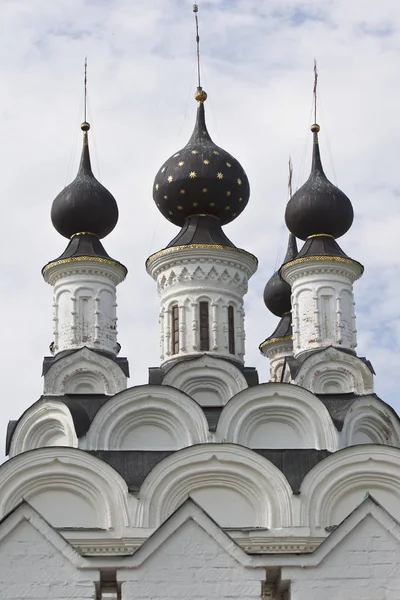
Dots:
pixel 85 126
pixel 315 128
pixel 200 95
pixel 195 8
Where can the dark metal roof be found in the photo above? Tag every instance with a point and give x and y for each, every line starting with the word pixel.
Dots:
pixel 283 329
pixel 85 205
pixel 202 178
pixel 318 206
pixel 201 229
pixel 135 465
pixel 277 293
pixel 338 406
pixel 132 465
pixel 85 244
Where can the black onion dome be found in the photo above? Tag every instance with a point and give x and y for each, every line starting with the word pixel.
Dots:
pixel 85 205
pixel 318 207
pixel 202 178
pixel 277 293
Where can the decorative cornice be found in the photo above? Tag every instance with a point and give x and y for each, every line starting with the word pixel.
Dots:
pixel 306 259
pixel 282 338
pixel 314 235
pixel 175 249
pixel 57 269
pixel 73 259
pixel 257 544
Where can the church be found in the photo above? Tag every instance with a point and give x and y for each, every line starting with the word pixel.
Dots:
pixel 204 482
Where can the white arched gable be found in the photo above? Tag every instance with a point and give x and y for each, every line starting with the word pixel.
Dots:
pixel 148 417
pixel 84 372
pixel 370 421
pixel 236 486
pixel 46 423
pixel 339 483
pixel 210 381
pixel 277 415
pixel 331 371
pixel 70 488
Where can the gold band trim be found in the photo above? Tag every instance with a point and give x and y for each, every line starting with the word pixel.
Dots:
pixel 282 338
pixel 82 233
pixel 305 259
pixel 200 247
pixel 320 235
pixel 73 259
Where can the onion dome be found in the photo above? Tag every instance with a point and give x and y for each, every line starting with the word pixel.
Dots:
pixel 85 205
pixel 277 293
pixel 202 178
pixel 318 207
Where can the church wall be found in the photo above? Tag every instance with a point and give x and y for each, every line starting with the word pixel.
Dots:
pixel 364 567
pixel 191 565
pixel 32 569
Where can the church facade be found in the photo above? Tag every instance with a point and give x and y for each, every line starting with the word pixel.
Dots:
pixel 204 482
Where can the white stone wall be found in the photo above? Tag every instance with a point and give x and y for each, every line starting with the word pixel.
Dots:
pixel 84 305
pixel 31 568
pixel 365 566
pixel 187 276
pixel 190 564
pixel 322 304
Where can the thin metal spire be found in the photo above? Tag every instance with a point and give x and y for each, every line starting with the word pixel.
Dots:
pixel 85 125
pixel 290 178
pixel 85 91
pixel 315 90
pixel 196 10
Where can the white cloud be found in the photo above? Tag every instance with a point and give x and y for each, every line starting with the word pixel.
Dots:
pixel 257 61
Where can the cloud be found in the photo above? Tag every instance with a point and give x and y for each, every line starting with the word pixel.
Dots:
pixel 257 59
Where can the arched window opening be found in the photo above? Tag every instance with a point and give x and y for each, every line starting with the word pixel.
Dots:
pixel 175 329
pixel 231 330
pixel 204 326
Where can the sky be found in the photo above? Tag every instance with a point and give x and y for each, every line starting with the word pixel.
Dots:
pixel 257 68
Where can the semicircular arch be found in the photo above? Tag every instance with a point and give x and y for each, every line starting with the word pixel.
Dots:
pixel 82 480
pixel 215 473
pixel 336 485
pixel 146 417
pixel 280 413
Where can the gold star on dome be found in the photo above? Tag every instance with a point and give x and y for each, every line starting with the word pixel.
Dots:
pixel 165 197
pixel 182 191
pixel 205 132
pixel 206 162
pixel 227 207
pixel 192 174
pixel 215 152
pixel 240 199
pixel 179 207
pixel 170 212
pixel 228 193
pixel 195 204
pixel 181 163
pixel 170 178
pixel 228 164
pixel 212 204
pixel 157 186
pixel 205 190
pixel 234 214
pixel 239 182
pixel 220 175
pixel 195 151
